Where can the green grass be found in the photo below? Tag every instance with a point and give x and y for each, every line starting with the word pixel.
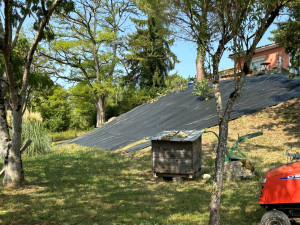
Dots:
pixel 41 142
pixel 65 135
pixel 78 185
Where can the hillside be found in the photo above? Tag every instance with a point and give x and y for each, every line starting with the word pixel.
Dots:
pixel 281 130
pixel 80 185
pixel 185 111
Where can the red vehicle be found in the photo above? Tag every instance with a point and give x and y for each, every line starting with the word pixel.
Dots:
pixel 280 193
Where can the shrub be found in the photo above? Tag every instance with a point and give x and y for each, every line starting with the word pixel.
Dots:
pixel 202 88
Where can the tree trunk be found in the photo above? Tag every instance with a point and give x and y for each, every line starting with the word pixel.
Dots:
pixel 218 178
pixel 14 175
pixel 101 109
pixel 224 117
pixel 4 132
pixel 200 64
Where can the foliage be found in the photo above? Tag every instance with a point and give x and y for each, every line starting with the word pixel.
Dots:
pixel 33 129
pixel 287 35
pixel 150 58
pixel 203 88
pixel 175 82
pixel 37 80
pixel 83 107
pixel 129 99
pixel 55 109
pixel 130 96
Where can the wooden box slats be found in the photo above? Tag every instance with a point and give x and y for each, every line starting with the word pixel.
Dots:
pixel 174 156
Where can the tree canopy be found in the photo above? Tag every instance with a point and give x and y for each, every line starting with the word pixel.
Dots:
pixel 287 35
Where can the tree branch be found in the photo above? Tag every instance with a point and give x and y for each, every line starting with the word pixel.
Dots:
pixel 36 40
pixel 17 33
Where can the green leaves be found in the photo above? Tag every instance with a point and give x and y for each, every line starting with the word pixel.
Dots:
pixel 151 58
pixel 83 107
pixel 55 109
pixel 203 89
pixel 288 35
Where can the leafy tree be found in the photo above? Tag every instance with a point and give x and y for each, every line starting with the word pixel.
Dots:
pixel 175 82
pixel 151 58
pixel 14 13
pixel 83 108
pixel 87 41
pixel 202 88
pixel 287 35
pixel 54 108
pixel 37 80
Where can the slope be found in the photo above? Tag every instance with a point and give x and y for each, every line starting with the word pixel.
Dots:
pixel 185 111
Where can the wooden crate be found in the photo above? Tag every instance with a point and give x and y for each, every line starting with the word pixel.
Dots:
pixel 177 153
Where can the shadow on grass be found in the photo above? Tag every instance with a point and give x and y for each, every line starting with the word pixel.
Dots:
pixel 286 115
pixel 88 186
pixel 245 208
pixel 97 187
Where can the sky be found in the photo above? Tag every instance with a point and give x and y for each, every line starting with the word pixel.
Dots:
pixel 186 54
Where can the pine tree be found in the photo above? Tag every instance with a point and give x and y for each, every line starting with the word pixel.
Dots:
pixel 151 58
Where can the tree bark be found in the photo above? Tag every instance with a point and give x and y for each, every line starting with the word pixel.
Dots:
pixel 4 132
pixel 5 141
pixel 200 64
pixel 14 174
pixel 101 109
pixel 217 186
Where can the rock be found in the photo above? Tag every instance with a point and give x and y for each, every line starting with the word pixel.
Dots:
pixel 206 176
pixel 235 170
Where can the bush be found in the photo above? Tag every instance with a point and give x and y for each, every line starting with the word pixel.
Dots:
pixel 130 98
pixel 202 88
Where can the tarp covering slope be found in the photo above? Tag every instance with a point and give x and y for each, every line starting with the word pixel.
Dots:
pixel 185 111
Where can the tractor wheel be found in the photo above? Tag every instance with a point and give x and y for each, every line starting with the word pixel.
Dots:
pixel 275 217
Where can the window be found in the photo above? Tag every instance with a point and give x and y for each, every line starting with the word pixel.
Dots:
pixel 256 63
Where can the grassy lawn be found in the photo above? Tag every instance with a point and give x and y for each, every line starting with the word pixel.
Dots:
pixel 78 185
pixel 65 135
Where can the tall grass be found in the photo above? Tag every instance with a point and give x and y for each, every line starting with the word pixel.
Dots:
pixel 33 129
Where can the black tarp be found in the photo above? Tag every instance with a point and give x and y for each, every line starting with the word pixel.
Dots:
pixel 185 111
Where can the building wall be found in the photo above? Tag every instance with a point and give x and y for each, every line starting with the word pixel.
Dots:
pixel 271 56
